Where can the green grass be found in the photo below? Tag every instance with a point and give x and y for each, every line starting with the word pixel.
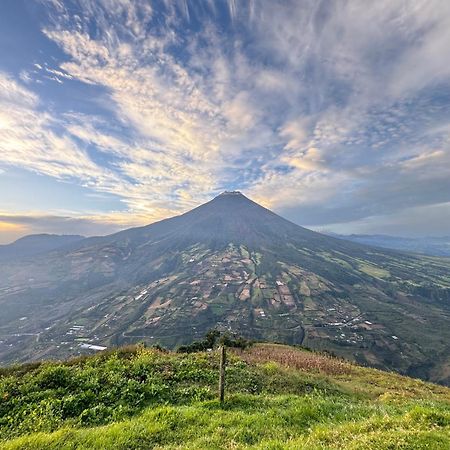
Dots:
pixel 277 397
pixel 261 421
pixel 373 271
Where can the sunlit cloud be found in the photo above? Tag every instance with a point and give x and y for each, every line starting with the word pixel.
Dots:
pixel 13 226
pixel 327 114
pixel 11 231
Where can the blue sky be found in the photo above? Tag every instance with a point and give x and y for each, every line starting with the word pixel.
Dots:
pixel 115 113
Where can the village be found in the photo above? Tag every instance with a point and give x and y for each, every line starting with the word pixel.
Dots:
pixel 224 289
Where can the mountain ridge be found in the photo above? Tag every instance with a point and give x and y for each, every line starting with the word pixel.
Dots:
pixel 433 246
pixel 34 244
pixel 233 264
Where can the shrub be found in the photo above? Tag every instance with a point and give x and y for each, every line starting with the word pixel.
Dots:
pixel 212 339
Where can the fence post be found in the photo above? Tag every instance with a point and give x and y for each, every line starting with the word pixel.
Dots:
pixel 223 361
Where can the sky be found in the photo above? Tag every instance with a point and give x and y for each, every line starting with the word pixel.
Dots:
pixel 118 113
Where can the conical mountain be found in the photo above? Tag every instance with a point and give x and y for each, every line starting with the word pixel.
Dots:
pixel 232 217
pixel 234 265
pixel 229 217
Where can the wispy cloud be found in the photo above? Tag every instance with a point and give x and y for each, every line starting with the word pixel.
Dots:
pixel 329 113
pixel 27 138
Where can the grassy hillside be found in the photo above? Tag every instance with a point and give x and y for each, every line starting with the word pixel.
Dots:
pixel 277 397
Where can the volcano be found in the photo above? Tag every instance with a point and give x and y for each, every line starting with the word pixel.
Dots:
pixel 233 265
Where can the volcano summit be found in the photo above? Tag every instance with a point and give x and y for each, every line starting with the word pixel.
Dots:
pixel 234 265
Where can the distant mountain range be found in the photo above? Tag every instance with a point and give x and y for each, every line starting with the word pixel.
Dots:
pixel 434 246
pixel 35 244
pixel 237 266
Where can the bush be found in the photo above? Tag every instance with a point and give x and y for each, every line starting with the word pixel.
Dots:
pixel 214 338
pixel 54 377
pixel 96 415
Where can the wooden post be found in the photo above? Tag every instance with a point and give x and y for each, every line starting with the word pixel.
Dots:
pixel 223 361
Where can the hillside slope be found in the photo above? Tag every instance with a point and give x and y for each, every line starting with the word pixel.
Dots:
pixel 35 244
pixel 235 265
pixel 276 397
